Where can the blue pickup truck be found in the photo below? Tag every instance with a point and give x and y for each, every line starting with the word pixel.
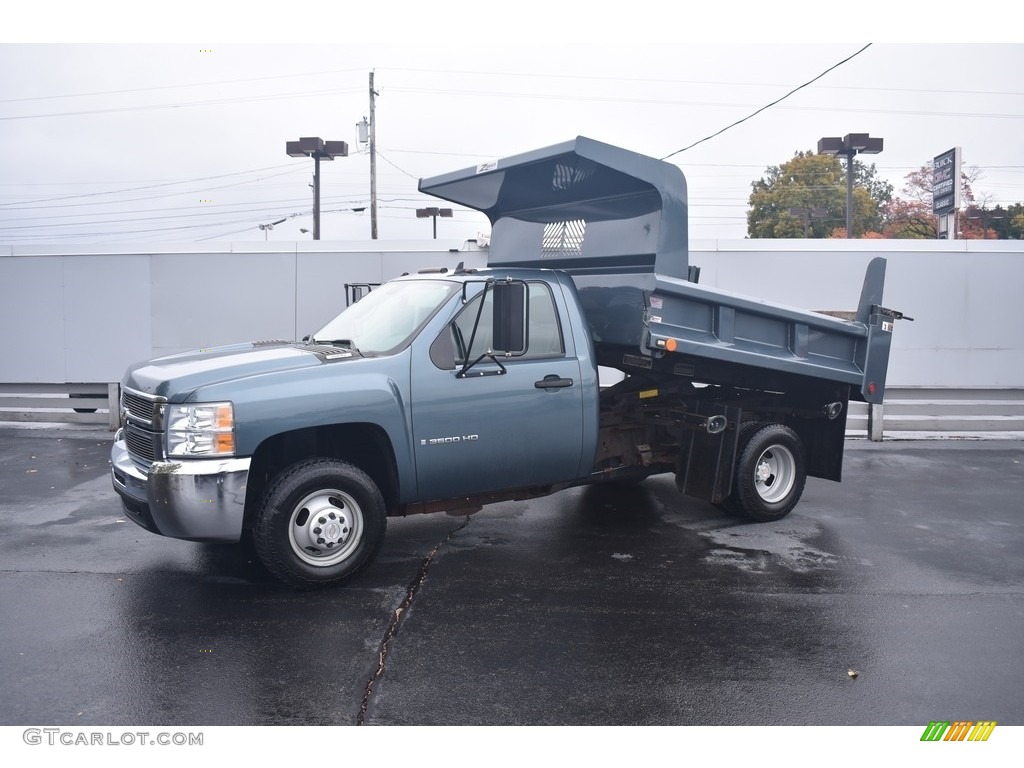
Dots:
pixel 447 390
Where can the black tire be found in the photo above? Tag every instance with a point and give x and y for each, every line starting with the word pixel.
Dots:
pixel 319 523
pixel 770 472
pixel 731 505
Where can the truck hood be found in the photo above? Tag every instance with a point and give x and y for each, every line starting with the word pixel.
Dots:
pixel 177 376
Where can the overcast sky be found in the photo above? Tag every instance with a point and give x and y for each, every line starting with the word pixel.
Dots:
pixel 166 139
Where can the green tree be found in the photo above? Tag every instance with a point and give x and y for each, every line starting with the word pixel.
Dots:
pixel 814 184
pixel 1015 227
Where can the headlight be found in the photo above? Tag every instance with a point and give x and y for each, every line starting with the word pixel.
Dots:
pixel 203 429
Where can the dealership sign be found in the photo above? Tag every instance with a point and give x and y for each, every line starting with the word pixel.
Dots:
pixel 946 182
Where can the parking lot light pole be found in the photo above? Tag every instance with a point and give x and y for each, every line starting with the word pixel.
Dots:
pixel 433 213
pixel 318 149
pixel 851 144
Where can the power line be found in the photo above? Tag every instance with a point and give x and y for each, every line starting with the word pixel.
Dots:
pixel 93 221
pixel 564 97
pixel 548 76
pixel 11 233
pixel 177 105
pixel 766 106
pixel 162 229
pixel 171 87
pixel 386 160
pixel 156 186
pixel 148 197
pixel 206 207
pixel 269 207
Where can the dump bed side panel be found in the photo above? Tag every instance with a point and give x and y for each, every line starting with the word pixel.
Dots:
pixel 688 319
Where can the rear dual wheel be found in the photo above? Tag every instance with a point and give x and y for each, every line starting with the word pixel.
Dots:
pixel 770 473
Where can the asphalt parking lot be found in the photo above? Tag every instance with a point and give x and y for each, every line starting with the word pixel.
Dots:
pixel 894 598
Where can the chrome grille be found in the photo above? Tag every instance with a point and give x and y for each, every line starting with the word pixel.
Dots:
pixel 145 447
pixel 142 418
pixel 139 407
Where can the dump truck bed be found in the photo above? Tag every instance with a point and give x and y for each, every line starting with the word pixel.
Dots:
pixel 616 221
pixel 699 325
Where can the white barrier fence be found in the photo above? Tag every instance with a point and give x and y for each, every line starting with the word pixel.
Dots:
pixel 914 409
pixel 923 409
pixel 60 403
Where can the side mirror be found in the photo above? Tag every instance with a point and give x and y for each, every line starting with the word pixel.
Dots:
pixel 511 315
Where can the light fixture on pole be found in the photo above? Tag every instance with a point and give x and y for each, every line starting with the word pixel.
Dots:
pixel 851 144
pixel 267 227
pixel 318 149
pixel 433 213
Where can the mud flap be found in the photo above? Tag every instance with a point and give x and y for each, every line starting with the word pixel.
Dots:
pixel 706 461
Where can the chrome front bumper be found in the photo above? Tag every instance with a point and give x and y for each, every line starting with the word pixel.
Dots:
pixel 197 499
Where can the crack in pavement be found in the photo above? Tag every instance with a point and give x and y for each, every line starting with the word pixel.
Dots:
pixel 396 620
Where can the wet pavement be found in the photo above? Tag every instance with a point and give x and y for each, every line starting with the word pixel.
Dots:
pixel 894 598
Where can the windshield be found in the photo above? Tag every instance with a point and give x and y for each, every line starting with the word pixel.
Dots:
pixel 387 317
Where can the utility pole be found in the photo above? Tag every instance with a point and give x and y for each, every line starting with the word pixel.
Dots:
pixel 316 196
pixel 373 162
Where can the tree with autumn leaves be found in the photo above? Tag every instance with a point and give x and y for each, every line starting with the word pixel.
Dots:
pixel 806 197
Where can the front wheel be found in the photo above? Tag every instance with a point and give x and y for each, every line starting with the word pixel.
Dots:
pixel 770 472
pixel 319 523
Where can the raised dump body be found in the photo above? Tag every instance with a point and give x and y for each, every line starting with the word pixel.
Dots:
pixel 452 390
pixel 617 222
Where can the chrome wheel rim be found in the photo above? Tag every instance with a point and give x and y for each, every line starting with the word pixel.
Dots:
pixel 775 473
pixel 325 527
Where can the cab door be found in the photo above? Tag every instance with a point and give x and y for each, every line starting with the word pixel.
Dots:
pixel 490 430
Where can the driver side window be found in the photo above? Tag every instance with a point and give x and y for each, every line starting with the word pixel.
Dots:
pixel 544 334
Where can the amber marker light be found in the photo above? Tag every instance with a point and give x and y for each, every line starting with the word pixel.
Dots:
pixel 225 442
pixel 225 418
pixel 670 345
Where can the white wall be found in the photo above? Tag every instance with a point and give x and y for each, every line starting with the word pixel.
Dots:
pixel 966 297
pixel 85 314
